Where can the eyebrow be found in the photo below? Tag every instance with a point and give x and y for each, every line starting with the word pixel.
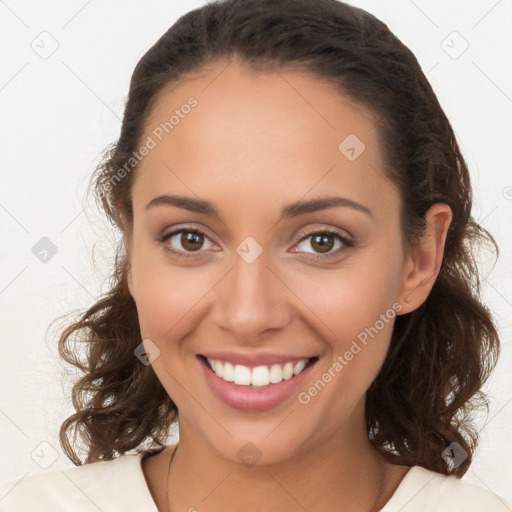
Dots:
pixel 290 211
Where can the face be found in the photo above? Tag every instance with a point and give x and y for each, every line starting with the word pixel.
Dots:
pixel 259 283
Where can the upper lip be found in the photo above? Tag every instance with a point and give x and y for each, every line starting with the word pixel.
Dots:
pixel 253 360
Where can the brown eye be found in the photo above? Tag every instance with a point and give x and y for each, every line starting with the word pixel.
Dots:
pixel 191 241
pixel 185 242
pixel 322 243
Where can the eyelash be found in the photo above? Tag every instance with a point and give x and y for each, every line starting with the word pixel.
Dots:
pixel 347 244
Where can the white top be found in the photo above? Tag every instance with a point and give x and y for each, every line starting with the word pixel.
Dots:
pixel 120 485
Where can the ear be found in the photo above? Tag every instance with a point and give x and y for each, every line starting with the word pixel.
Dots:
pixel 424 259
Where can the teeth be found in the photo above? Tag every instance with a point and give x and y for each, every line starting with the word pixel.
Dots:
pixel 288 371
pixel 299 367
pixel 276 374
pixel 227 371
pixel 259 376
pixel 242 375
pixel 218 368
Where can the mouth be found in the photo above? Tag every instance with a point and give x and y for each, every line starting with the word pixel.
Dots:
pixel 257 377
pixel 255 388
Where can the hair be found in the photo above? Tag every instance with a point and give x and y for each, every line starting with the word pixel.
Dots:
pixel 440 355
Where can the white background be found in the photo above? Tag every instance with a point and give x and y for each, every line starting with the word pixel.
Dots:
pixel 60 112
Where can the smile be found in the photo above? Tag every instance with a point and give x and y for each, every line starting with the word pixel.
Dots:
pixel 258 387
pixel 260 376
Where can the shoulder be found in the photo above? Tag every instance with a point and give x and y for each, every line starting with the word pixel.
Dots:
pixel 117 484
pixel 424 490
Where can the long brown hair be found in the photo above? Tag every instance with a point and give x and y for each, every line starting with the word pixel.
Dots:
pixel 440 354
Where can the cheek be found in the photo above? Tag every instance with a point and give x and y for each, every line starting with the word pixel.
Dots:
pixel 169 297
pixel 357 312
pixel 169 309
pixel 353 297
pixel 357 347
pixel 357 305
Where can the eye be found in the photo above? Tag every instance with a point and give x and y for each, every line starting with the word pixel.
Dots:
pixel 190 240
pixel 323 241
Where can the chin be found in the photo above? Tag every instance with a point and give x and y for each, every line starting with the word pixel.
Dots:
pixel 259 445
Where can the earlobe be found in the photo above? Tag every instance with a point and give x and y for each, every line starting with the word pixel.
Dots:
pixel 425 259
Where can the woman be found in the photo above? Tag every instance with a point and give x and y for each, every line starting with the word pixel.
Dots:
pixel 295 285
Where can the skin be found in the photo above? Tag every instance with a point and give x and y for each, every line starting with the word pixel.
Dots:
pixel 256 135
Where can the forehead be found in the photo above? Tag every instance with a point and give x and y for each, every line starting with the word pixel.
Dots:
pixel 274 132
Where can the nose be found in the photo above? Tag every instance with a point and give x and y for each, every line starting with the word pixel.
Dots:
pixel 251 300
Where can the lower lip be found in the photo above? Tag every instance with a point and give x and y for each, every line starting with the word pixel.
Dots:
pixel 253 399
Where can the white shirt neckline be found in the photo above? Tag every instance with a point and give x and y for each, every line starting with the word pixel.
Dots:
pixel 416 489
pixel 120 484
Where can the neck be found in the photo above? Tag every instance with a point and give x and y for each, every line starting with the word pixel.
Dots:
pixel 342 473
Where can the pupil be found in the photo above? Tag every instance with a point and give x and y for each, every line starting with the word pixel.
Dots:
pixel 190 238
pixel 324 247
